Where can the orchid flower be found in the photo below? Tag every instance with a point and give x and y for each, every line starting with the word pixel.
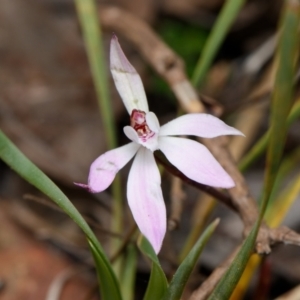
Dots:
pixel 144 192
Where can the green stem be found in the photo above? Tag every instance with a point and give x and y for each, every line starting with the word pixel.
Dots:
pixel 260 146
pixel 91 31
pixel 225 19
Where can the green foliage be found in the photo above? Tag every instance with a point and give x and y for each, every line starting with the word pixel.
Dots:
pixel 158 283
pixel 224 21
pixel 129 273
pixel 260 146
pixel 32 174
pixel 281 104
pixel 91 31
pixel 185 269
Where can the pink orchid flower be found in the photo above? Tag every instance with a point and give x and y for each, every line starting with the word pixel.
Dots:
pixel 144 192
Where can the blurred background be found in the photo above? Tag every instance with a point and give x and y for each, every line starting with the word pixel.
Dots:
pixel 48 108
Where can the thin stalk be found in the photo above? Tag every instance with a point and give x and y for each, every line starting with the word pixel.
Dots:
pixel 91 31
pixel 92 35
pixel 129 274
pixel 260 146
pixel 208 204
pixel 225 19
pixel 282 99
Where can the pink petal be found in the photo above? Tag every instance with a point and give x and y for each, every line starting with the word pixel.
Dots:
pixel 145 198
pixel 195 161
pixel 202 125
pixel 104 169
pixel 127 80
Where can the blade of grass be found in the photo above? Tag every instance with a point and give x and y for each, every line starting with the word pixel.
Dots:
pixel 225 19
pixel 287 165
pixel 282 98
pixel 208 204
pixel 158 284
pixel 283 203
pixel 258 149
pixel 26 169
pixel 281 104
pixel 273 218
pixel 91 31
pixel 128 276
pixel 185 269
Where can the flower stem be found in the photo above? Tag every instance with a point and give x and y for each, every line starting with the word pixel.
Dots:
pixel 91 31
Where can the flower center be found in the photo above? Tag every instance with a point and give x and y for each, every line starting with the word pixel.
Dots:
pixel 138 122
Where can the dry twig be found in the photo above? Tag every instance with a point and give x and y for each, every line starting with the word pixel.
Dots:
pixel 177 196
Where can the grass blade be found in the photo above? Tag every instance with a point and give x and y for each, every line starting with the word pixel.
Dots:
pixel 260 146
pixel 91 31
pixel 225 19
pixel 185 269
pixel 26 169
pixel 281 104
pixel 273 218
pixel 158 283
pixel 129 273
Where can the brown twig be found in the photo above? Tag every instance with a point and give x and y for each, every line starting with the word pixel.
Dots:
pixel 170 67
pixel 177 197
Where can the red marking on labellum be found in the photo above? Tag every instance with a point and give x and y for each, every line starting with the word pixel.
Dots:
pixel 138 122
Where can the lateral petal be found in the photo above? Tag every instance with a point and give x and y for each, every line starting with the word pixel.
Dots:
pixel 127 80
pixel 152 121
pixel 104 169
pixel 202 125
pixel 131 134
pixel 195 161
pixel 145 198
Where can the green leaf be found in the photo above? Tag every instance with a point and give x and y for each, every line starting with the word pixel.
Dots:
pixel 129 273
pixel 228 282
pixel 283 203
pixel 185 269
pixel 109 287
pixel 289 163
pixel 32 174
pixel 260 146
pixel 281 104
pixel 91 31
pixel 225 19
pixel 283 96
pixel 158 283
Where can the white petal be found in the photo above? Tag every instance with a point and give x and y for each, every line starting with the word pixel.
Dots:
pixel 104 169
pixel 150 143
pixel 202 125
pixel 131 134
pixel 145 198
pixel 195 161
pixel 127 80
pixel 152 121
